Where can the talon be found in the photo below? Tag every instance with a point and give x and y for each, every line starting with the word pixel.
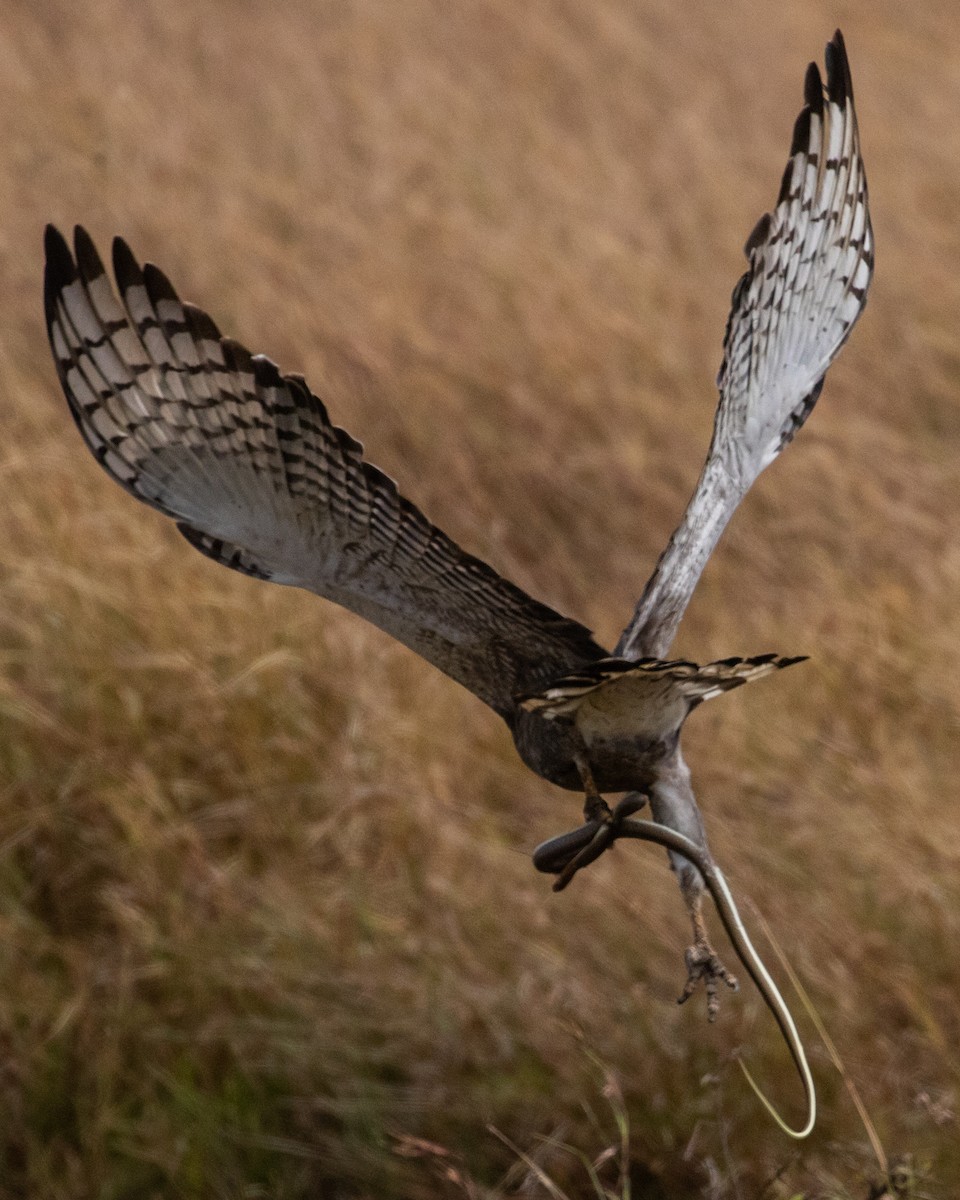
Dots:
pixel 569 853
pixel 597 809
pixel 703 963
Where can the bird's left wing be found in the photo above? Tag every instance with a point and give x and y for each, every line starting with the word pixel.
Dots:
pixel 257 477
pixel 810 263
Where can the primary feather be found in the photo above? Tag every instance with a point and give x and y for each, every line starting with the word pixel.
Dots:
pixel 255 474
pixel 810 263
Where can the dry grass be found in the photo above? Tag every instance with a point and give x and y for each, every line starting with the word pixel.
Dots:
pixel 265 905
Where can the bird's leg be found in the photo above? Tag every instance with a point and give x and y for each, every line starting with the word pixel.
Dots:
pixel 595 808
pixel 711 878
pixel 673 804
pixel 570 852
pixel 701 958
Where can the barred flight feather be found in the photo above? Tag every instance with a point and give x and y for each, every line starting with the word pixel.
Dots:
pixel 810 264
pixel 249 465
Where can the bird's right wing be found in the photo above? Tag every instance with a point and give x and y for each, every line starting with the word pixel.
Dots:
pixel 249 465
pixel 811 260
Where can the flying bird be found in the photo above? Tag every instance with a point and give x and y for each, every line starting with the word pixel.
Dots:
pixel 249 465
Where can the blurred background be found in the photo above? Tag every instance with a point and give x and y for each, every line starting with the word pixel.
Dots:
pixel 267 915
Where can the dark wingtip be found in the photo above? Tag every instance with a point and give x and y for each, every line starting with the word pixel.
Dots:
pixel 237 356
pixel 792 662
pixel 202 325
pixel 88 260
pixel 58 256
pixel 53 240
pixel 813 89
pixel 839 82
pixel 801 133
pixel 59 269
pixel 759 234
pixel 158 285
pixel 126 269
pixel 266 372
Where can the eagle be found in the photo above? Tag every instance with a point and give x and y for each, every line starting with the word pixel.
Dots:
pixel 248 463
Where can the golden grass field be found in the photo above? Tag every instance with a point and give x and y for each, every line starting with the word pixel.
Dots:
pixel 267 914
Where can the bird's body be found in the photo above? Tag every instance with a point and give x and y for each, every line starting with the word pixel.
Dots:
pixel 620 754
pixel 248 463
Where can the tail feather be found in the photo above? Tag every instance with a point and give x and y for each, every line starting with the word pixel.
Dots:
pixel 653 681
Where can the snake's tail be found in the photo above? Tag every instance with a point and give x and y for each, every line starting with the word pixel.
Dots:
pixel 740 940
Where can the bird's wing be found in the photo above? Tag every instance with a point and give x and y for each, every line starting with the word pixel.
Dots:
pixel 647 697
pixel 248 464
pixel 811 260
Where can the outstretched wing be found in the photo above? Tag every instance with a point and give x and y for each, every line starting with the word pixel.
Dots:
pixel 811 260
pixel 248 464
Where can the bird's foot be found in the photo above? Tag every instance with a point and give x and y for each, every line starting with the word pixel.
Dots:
pixel 595 808
pixel 569 853
pixel 704 964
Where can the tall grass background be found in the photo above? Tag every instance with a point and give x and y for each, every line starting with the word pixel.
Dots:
pixel 268 925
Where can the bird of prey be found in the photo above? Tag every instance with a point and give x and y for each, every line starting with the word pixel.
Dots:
pixel 248 463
